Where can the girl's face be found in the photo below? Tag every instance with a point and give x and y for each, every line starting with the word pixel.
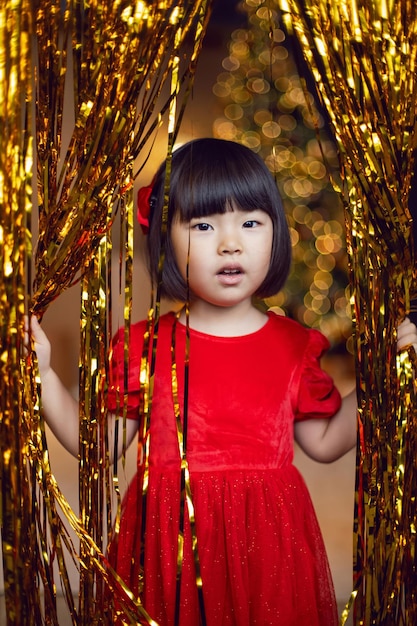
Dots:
pixel 226 255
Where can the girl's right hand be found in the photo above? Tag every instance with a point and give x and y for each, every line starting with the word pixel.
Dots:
pixel 42 346
pixel 406 335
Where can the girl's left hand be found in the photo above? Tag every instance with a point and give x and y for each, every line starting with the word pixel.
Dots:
pixel 406 335
pixel 42 347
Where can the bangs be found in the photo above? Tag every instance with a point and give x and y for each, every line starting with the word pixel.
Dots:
pixel 228 182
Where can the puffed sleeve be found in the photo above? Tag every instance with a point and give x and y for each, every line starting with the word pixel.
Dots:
pixel 115 390
pixel 317 395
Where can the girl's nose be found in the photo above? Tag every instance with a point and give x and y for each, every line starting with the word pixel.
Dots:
pixel 229 243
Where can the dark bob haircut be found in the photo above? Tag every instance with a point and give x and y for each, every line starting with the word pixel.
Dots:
pixel 211 176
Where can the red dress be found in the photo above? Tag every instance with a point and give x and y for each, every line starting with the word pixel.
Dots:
pixel 260 549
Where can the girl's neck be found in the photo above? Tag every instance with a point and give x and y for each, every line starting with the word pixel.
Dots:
pixel 224 321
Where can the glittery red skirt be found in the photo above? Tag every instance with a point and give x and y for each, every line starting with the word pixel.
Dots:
pixel 259 547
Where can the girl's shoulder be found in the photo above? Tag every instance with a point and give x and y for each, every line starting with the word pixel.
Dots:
pixel 165 320
pixel 138 329
pixel 294 333
pixel 281 323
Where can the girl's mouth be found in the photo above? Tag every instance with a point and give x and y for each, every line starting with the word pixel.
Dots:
pixel 230 276
pixel 230 271
pixel 231 268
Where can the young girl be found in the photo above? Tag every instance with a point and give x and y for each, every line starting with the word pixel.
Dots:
pixel 252 552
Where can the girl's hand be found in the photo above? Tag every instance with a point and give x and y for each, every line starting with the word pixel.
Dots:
pixel 42 347
pixel 406 335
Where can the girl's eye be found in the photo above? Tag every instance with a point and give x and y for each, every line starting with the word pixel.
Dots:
pixel 250 224
pixel 201 226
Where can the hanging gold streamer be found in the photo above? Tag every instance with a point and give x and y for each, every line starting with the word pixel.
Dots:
pixel 101 69
pixel 362 55
pixel 121 54
pixel 18 522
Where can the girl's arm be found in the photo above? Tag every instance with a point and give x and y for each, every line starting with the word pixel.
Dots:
pixel 60 409
pixel 328 440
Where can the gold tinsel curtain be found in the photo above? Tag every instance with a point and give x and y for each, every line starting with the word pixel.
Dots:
pixel 114 71
pixel 362 55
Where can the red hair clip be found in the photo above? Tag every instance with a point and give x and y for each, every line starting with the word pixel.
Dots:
pixel 144 207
